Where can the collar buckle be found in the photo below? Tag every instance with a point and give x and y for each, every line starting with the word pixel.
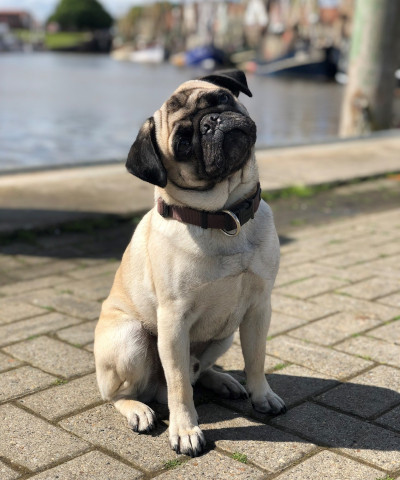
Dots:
pixel 237 222
pixel 165 210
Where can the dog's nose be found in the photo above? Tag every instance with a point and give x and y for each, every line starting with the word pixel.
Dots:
pixel 209 123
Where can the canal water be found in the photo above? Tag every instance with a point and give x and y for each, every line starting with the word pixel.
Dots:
pixel 71 108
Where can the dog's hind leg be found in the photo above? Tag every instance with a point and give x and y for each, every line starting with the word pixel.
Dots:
pixel 126 370
pixel 221 383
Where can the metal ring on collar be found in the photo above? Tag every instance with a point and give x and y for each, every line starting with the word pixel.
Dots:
pixel 236 220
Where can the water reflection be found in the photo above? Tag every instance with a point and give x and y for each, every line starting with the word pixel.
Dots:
pixel 66 108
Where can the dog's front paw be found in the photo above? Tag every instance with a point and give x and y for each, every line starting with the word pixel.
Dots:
pixel 187 441
pixel 142 418
pixel 270 402
pixel 184 435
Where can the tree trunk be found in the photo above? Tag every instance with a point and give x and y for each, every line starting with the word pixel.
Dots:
pixel 374 57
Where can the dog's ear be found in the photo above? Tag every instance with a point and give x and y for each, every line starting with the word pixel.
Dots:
pixel 144 157
pixel 233 80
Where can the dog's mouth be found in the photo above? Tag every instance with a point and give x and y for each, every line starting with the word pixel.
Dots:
pixel 226 140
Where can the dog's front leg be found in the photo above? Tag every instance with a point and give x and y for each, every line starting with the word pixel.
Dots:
pixel 253 338
pixel 185 435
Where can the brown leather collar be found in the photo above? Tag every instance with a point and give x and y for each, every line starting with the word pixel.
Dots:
pixel 226 220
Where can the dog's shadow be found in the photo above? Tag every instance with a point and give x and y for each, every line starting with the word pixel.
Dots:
pixel 324 412
pixel 71 235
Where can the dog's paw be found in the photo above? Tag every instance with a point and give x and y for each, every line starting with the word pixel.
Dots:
pixel 188 442
pixel 184 435
pixel 223 384
pixel 142 418
pixel 269 403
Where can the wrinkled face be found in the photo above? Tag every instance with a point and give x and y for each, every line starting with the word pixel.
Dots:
pixel 204 134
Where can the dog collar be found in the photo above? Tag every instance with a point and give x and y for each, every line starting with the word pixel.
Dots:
pixel 226 220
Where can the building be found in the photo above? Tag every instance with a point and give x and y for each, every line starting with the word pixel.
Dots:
pixel 17 19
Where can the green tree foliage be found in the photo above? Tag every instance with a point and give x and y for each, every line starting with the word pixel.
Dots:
pixel 79 15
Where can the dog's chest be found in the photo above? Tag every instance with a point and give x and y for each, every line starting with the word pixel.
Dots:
pixel 219 306
pixel 212 284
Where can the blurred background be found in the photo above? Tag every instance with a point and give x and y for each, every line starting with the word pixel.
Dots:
pixel 79 77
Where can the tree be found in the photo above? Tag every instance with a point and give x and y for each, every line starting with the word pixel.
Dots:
pixel 78 15
pixel 374 57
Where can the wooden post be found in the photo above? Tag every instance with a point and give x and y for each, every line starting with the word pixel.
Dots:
pixel 374 57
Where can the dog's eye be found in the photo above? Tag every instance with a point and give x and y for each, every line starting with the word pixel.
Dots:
pixel 224 98
pixel 184 145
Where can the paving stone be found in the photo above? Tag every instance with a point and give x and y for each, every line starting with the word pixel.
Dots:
pixel 210 465
pixel 16 288
pixel 232 360
pixel 320 425
pixel 79 335
pixel 294 383
pixel 389 332
pixel 65 303
pixel 34 443
pixel 357 438
pixel 5 280
pixel 106 427
pixel 289 275
pixel 330 466
pixel 350 257
pixel 90 466
pixel 317 358
pixel 295 257
pixel 12 310
pixel 7 473
pixel 15 248
pixel 372 348
pixel 335 328
pixel 14 332
pixel 367 394
pixel 56 240
pixel 107 268
pixel 300 308
pixel 8 262
pixel 36 258
pixel 372 288
pixel 64 399
pixel 21 381
pixel 384 267
pixel 89 347
pixel 392 300
pixel 7 362
pixel 97 288
pixel 311 287
pixel 281 323
pixel 391 419
pixel 344 303
pixel 85 261
pixel 53 356
pixel 307 270
pixel 389 248
pixel 265 446
pixel 44 270
pixel 377 446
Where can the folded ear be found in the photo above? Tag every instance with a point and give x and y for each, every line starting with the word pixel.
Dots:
pixel 144 158
pixel 233 80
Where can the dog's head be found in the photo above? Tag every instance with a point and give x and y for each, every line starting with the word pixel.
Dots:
pixel 200 136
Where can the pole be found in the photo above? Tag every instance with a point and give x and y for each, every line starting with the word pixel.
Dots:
pixel 374 57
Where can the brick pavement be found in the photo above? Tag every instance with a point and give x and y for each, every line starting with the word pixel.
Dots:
pixel 333 355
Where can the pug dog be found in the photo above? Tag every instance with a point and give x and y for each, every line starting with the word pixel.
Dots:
pixel 201 264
